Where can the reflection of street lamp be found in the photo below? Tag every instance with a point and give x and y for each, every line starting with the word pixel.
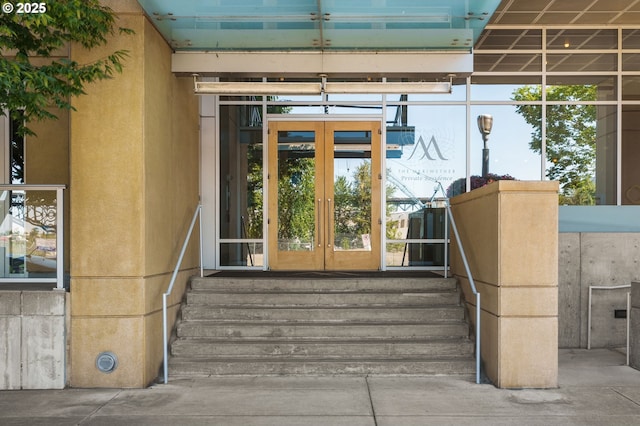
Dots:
pixel 485 122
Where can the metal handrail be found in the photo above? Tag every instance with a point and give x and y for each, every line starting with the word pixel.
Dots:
pixel 165 337
pixel 473 289
pixel 604 287
pixel 469 275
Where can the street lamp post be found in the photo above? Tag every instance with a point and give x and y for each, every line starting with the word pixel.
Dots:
pixel 485 123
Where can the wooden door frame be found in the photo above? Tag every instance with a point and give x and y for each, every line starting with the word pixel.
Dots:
pixel 325 257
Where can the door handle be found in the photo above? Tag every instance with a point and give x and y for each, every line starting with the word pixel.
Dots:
pixel 329 217
pixel 319 222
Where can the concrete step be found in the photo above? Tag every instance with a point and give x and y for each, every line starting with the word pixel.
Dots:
pixel 356 325
pixel 316 298
pixel 304 348
pixel 318 366
pixel 323 285
pixel 328 330
pixel 324 314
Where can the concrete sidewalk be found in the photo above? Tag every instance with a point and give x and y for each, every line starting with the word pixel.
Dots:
pixel 595 388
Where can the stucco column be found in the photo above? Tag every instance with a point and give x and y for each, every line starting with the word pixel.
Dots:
pixel 134 187
pixel 509 232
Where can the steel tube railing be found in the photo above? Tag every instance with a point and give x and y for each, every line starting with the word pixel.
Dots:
pixel 467 270
pixel 473 288
pixel 601 287
pixel 165 331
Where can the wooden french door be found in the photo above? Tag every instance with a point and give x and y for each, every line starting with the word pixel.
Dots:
pixel 324 195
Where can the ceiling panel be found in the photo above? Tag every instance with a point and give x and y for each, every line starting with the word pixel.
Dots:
pixel 565 12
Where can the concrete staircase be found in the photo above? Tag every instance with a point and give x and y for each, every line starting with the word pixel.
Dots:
pixel 326 326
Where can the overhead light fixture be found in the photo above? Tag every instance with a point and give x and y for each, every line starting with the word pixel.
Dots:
pixel 285 88
pixel 388 87
pixel 256 88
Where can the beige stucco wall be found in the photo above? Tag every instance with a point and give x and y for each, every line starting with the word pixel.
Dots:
pixel 134 187
pixel 509 233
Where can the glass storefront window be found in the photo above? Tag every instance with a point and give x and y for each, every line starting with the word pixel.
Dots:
pixel 416 254
pixel 630 153
pixel 581 88
pixel 485 88
pixel 428 136
pixel 511 149
pixel 429 151
pixel 581 153
pixel 241 179
pixel 244 254
pixel 431 148
pixel 28 242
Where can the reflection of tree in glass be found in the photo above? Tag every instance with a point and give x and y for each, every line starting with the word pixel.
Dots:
pixel 570 137
pixel 255 188
pixel 353 202
pixel 296 193
pixel 255 192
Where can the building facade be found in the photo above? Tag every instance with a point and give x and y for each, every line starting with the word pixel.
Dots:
pixel 320 137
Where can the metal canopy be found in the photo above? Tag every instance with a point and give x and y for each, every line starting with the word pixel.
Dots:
pixel 320 25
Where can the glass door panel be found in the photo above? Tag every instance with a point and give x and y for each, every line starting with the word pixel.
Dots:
pixel 296 190
pixel 295 196
pixel 353 183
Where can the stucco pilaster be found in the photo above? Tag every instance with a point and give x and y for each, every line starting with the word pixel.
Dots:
pixel 134 185
pixel 509 232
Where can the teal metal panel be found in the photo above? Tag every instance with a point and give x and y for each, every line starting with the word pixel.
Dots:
pixel 599 219
pixel 320 24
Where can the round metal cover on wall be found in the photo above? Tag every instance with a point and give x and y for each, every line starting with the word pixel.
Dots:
pixel 107 362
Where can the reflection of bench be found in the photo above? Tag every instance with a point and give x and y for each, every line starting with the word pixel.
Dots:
pixel 46 245
pixel 366 241
pixel 294 245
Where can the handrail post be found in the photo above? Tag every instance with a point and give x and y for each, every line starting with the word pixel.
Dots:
pixel 478 339
pixel 165 339
pixel 199 210
pixel 446 243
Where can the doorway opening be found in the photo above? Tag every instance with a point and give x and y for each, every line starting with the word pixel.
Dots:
pixel 325 186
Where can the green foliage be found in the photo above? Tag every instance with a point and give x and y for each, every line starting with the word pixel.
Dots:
pixel 255 192
pixel 570 136
pixel 580 195
pixel 353 202
pixel 459 186
pixel 296 196
pixel 30 78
